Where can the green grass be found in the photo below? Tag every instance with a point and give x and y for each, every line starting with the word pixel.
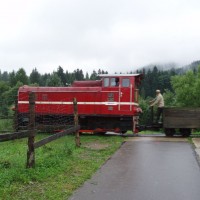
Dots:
pixel 60 166
pixel 147 132
pixel 196 133
pixel 6 125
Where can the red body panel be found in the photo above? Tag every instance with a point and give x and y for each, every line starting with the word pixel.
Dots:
pixel 97 83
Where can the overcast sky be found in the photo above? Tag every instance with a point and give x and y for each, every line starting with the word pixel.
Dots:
pixel 114 35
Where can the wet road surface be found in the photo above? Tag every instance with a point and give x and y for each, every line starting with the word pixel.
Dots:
pixel 146 169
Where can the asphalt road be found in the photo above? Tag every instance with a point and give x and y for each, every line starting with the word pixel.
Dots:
pixel 146 169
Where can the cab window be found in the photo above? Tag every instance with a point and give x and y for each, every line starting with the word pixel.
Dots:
pixel 114 82
pixel 125 82
pixel 106 82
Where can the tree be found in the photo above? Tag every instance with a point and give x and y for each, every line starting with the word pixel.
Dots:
pixel 186 88
pixel 87 76
pixel 4 76
pixel 8 97
pixel 35 76
pixel 145 116
pixel 62 75
pixel 12 79
pixel 3 104
pixel 93 76
pixel 170 98
pixel 154 79
pixel 44 79
pixel 102 72
pixel 21 76
pixel 79 76
pixel 68 78
pixel 11 94
pixel 54 80
pixel 3 87
pixel 99 72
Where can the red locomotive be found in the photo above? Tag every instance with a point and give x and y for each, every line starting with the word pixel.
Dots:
pixel 109 104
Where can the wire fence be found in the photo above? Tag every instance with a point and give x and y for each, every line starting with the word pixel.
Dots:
pixel 27 117
pixel 7 114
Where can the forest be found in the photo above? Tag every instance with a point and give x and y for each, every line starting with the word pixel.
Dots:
pixel 179 87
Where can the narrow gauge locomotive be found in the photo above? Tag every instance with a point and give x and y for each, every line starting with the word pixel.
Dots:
pixel 109 104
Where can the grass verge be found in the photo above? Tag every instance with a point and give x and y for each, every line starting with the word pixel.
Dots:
pixel 6 124
pixel 60 166
pixel 196 133
pixel 147 132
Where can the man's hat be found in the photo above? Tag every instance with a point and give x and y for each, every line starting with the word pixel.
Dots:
pixel 157 91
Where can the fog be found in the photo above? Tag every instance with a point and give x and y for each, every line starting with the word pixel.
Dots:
pixel 116 36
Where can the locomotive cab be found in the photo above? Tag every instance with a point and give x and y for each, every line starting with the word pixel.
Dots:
pixel 120 96
pixel 121 92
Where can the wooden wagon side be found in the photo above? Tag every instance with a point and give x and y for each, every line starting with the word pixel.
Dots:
pixel 183 119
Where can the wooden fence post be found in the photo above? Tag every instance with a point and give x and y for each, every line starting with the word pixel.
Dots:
pixel 31 137
pixel 77 136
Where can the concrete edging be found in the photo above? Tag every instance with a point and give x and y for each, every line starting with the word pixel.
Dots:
pixel 196 142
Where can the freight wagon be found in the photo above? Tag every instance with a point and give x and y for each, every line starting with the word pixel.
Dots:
pixel 175 120
pixel 180 120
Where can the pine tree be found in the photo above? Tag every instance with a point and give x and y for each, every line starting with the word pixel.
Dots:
pixel 12 79
pixel 54 80
pixel 62 75
pixel 21 76
pixel 35 77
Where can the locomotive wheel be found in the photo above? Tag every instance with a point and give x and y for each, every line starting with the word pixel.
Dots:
pixel 117 130
pixel 169 132
pixel 123 132
pixel 100 133
pixel 185 132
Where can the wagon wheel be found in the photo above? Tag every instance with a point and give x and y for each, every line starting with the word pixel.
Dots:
pixel 169 132
pixel 185 132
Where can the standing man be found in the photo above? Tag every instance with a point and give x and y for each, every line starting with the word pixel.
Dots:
pixel 159 102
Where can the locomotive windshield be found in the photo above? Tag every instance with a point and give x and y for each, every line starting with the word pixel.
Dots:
pixel 112 82
pixel 125 82
pixel 106 82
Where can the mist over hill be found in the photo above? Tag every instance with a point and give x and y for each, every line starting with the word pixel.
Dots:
pixel 173 66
